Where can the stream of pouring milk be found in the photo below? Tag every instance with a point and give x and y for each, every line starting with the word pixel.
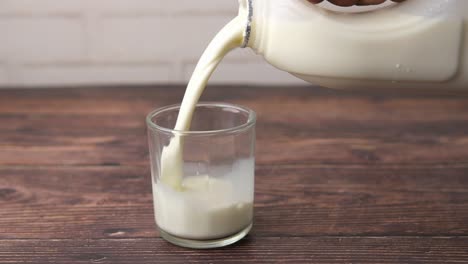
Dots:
pixel 227 39
pixel 203 207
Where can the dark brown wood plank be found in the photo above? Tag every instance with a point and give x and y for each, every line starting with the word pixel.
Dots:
pixel 295 126
pixel 273 101
pixel 98 98
pixel 253 250
pixel 106 202
pixel 130 149
pixel 342 177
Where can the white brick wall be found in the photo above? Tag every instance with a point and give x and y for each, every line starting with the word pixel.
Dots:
pixel 60 42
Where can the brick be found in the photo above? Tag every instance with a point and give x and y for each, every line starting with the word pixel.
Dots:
pixel 3 49
pixel 3 76
pixel 35 7
pixel 41 39
pixel 179 7
pixel 214 7
pixel 130 39
pixel 194 34
pixel 93 74
pixel 126 7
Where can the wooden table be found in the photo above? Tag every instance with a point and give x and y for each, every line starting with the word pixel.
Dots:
pixel 341 177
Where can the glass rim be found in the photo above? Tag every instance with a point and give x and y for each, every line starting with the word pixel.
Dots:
pixel 252 118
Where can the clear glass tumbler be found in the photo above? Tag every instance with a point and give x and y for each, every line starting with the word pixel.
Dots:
pixel 206 199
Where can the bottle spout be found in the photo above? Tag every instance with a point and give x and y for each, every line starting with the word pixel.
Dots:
pixel 245 16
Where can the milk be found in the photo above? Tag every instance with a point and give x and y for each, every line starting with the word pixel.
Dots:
pixel 208 206
pixel 230 37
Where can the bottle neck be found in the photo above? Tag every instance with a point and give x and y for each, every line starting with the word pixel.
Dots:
pixel 255 15
pixel 246 16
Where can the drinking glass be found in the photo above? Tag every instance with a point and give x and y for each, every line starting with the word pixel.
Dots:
pixel 211 203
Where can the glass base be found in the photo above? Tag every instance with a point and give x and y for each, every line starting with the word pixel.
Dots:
pixel 205 244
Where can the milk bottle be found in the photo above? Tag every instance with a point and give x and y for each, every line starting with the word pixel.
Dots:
pixel 416 44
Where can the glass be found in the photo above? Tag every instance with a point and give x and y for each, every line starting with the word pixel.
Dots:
pixel 211 205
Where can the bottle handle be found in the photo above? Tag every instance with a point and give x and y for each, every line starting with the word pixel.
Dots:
pixel 393 17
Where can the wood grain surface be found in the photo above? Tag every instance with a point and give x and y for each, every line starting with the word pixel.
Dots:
pixel 341 177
